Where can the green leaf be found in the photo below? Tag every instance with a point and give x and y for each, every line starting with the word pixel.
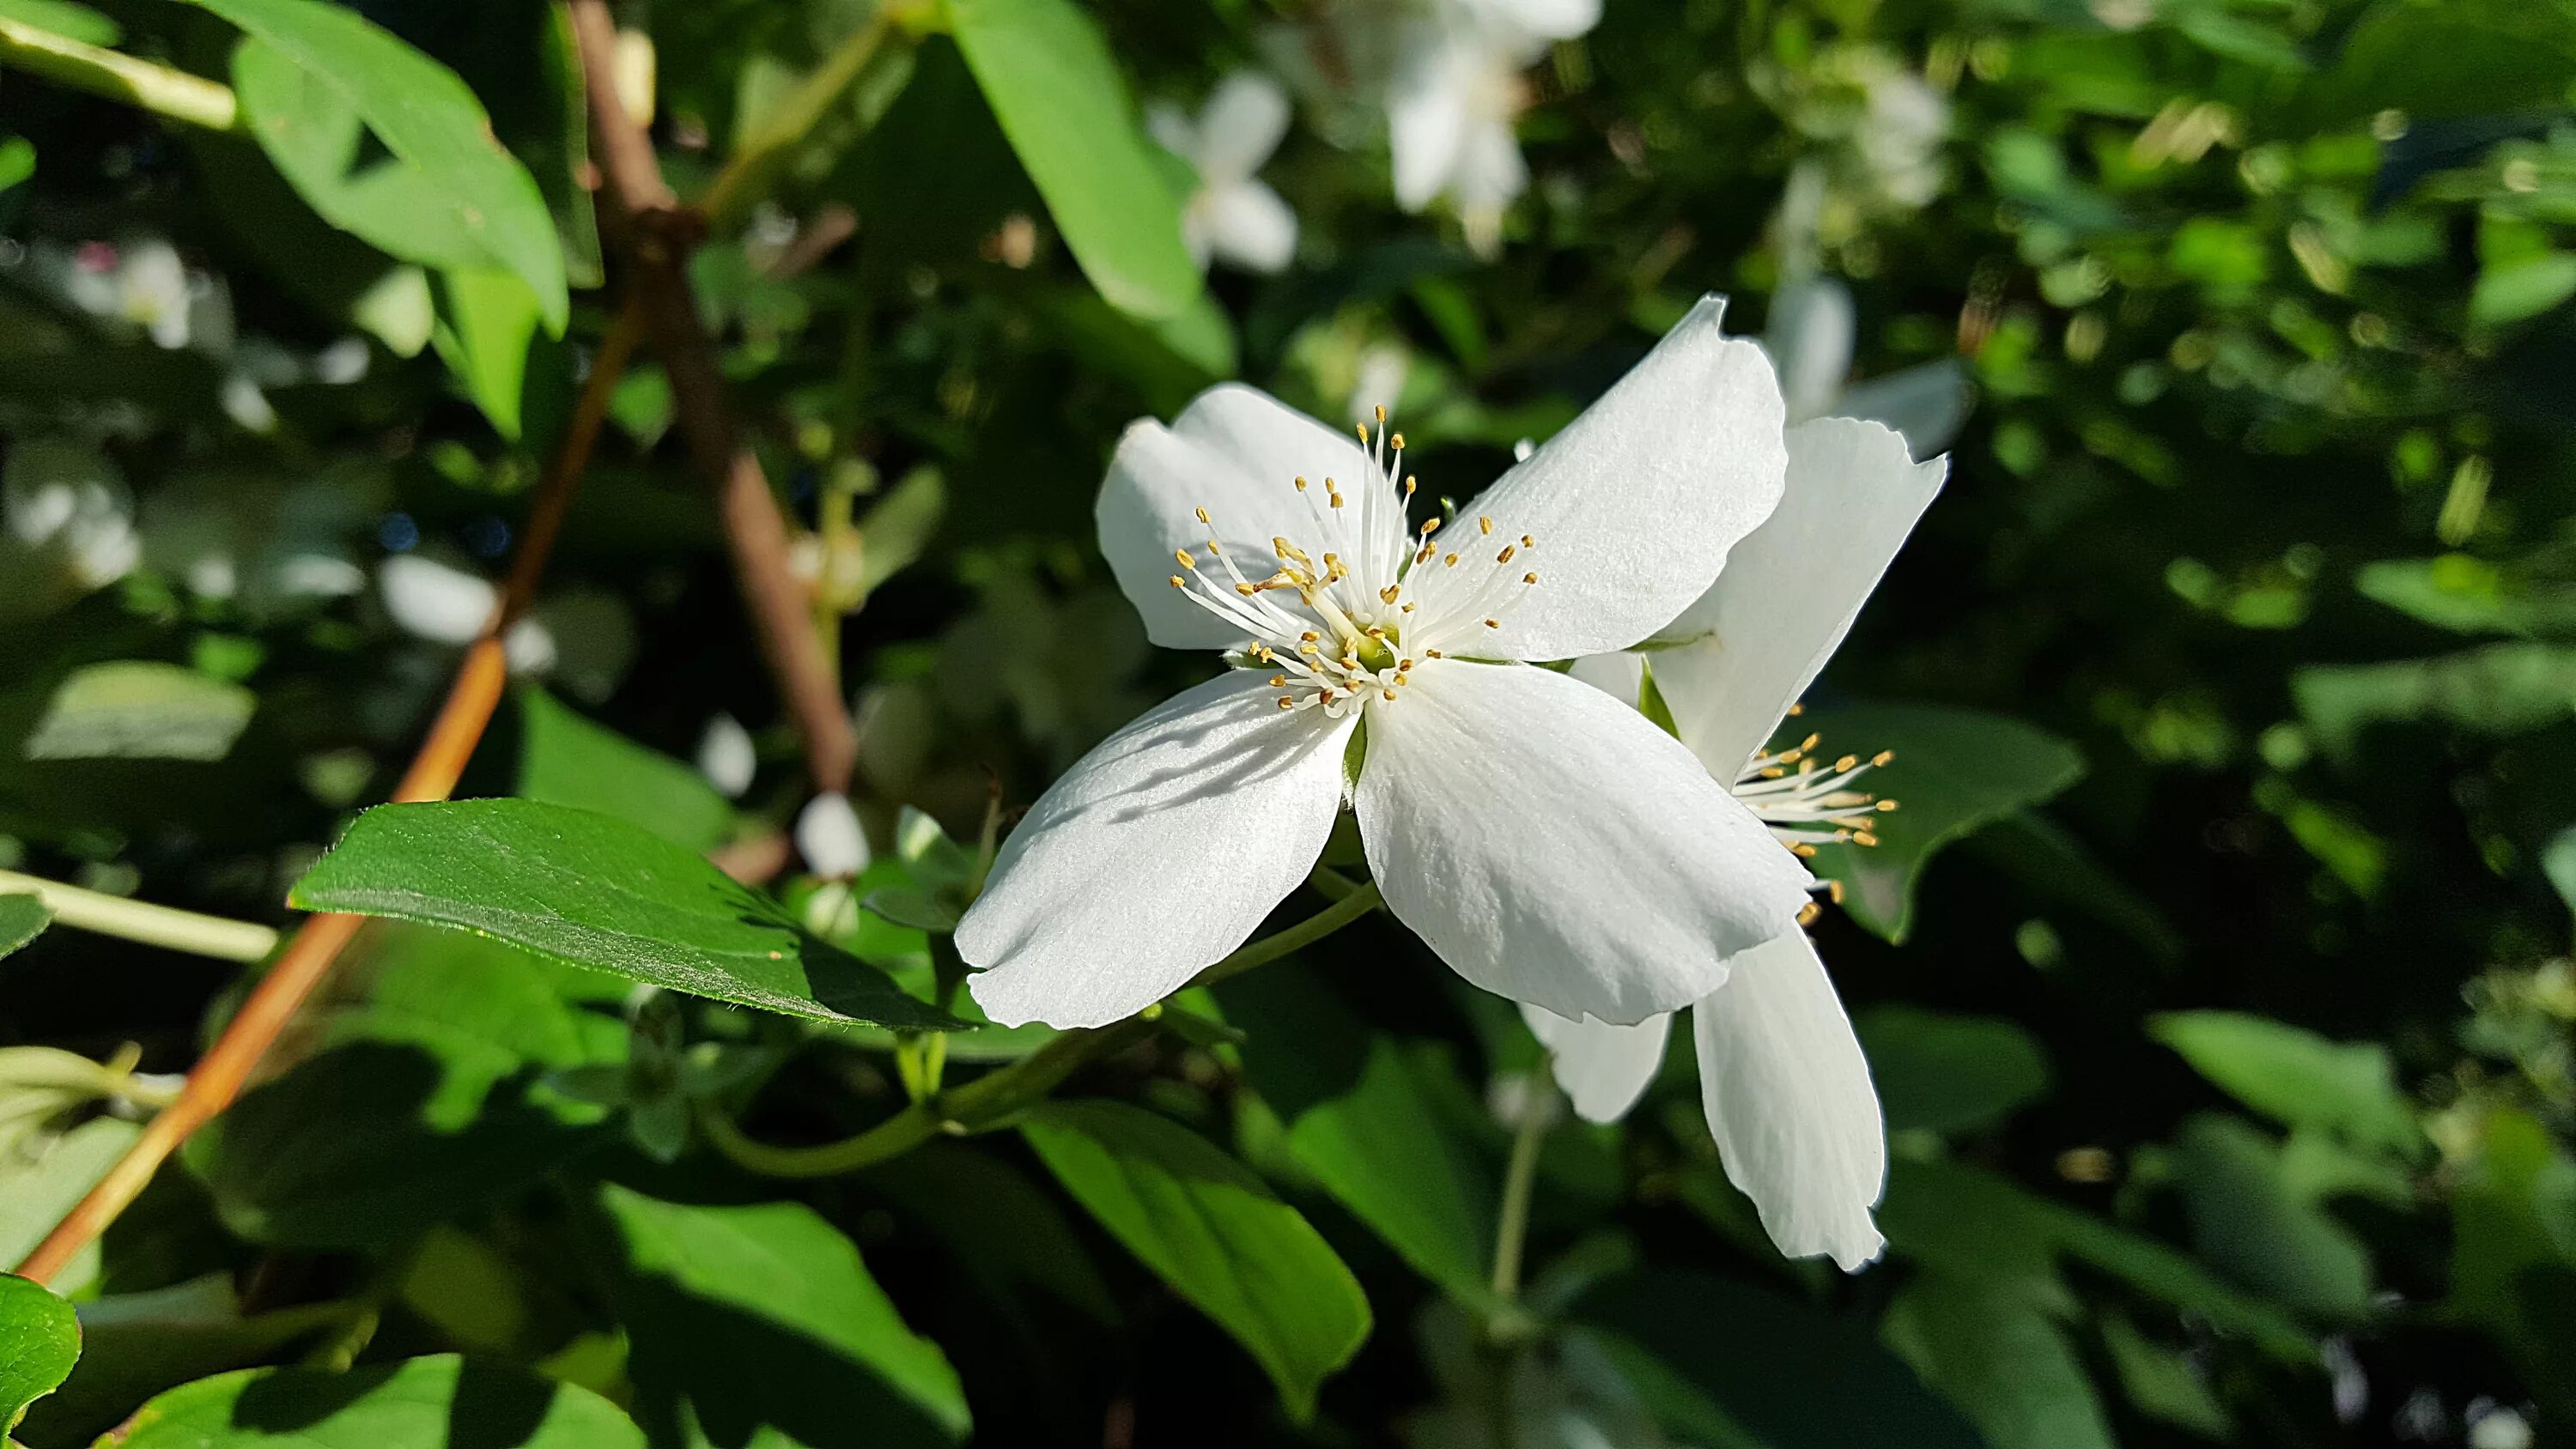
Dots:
pixel 1944 1072
pixel 1361 1119
pixel 421 1401
pixel 567 759
pixel 35 1195
pixel 593 891
pixel 2164 1383
pixel 1954 770
pixel 1048 74
pixel 487 336
pixel 70 21
pixel 2001 1361
pixel 315 80
pixel 1789 1374
pixel 1001 1227
pixel 135 1345
pixel 2253 1223
pixel 2558 862
pixel 22 919
pixel 763 1317
pixel 40 1340
pixel 2296 1077
pixel 2499 689
pixel 2515 291
pixel 1210 1228
pixel 2513 1254
pixel 140 710
pixel 428 1100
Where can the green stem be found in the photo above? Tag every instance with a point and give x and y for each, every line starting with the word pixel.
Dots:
pixel 1511 1227
pixel 994 1099
pixel 118 76
pixel 225 940
pixel 744 178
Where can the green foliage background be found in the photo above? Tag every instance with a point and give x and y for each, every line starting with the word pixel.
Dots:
pixel 2222 1004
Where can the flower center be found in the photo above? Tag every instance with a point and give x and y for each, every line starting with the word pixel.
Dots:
pixel 1808 801
pixel 1351 608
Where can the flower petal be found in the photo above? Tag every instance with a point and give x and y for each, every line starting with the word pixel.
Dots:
pixel 1546 19
pixel 1154 856
pixel 1235 451
pixel 1926 402
pixel 1428 113
pixel 1636 502
pixel 1809 338
pixel 1621 675
pixel 1604 1068
pixel 1791 591
pixel 1790 1102
pixel 1248 225
pixel 1245 117
pixel 1556 848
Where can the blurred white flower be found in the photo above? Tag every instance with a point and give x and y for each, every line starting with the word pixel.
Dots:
pixel 1809 337
pixel 1900 138
pixel 1383 369
pixel 726 756
pixel 828 836
pixel 1782 1079
pixel 434 600
pixel 582 638
pixel 242 537
pixel 67 502
pixel 1233 217
pixel 1549 843
pixel 1456 97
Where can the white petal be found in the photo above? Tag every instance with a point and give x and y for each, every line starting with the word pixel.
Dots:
pixel 726 756
pixel 434 601
pixel 1427 115
pixel 1245 116
pixel 1490 174
pixel 1172 130
pixel 829 837
pixel 1154 856
pixel 1790 1103
pixel 1791 591
pixel 1604 1068
pixel 1622 676
pixel 1810 338
pixel 1235 451
pixel 1926 402
pixel 1556 848
pixel 1636 502
pixel 1248 225
pixel 1546 19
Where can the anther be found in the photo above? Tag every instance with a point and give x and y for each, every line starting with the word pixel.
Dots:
pixel 1402 665
pixel 1408 486
pixel 1493 623
pixel 1529 578
pixel 1846 762
pixel 1247 590
pixel 1808 913
pixel 1505 556
pixel 1484 524
pixel 1203 518
pixel 1301 485
pixel 1286 703
pixel 1279 681
pixel 1387 595
pixel 1389 695
pixel 1863 837
pixel 1184 556
pixel 1834 891
pixel 1803 851
pixel 1381 413
pixel 1433 654
pixel 1884 806
pixel 1796 710
pixel 1309 637
pixel 1397 440
pixel 1449 561
pixel 1176 582
pixel 1430 526
pixel 1882 757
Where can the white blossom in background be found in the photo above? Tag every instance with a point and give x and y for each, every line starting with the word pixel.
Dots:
pixel 1900 138
pixel 68 512
pixel 1454 102
pixel 582 639
pixel 1234 217
pixel 1782 1079
pixel 1810 335
pixel 726 756
pixel 1546 840
pixel 829 837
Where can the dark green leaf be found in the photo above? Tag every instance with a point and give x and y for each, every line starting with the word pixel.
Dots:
pixel 422 1401
pixel 22 919
pixel 2499 689
pixel 1362 1122
pixel 1210 1228
pixel 2296 1077
pixel 1791 1375
pixel 1048 75
pixel 1949 1073
pixel 136 1345
pixel 763 1320
pixel 593 891
pixel 2001 1361
pixel 1953 771
pixel 566 759
pixel 316 79
pixel 40 1340
pixel 35 1195
pixel 2254 1224
pixel 1001 1225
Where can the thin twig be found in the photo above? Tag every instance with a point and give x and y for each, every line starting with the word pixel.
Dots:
pixel 651 232
pixel 219 1075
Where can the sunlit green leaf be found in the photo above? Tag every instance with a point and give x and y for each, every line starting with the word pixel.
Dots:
pixel 439 1400
pixel 2295 1076
pixel 567 759
pixel 2000 1361
pixel 40 1340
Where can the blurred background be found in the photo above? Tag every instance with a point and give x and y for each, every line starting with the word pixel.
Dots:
pixel 2219 993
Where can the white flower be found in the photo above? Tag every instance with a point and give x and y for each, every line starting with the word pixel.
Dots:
pixel 1550 844
pixel 1809 337
pixel 68 500
pixel 829 837
pixel 1456 96
pixel 583 638
pixel 1782 1078
pixel 726 756
pixel 1233 217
